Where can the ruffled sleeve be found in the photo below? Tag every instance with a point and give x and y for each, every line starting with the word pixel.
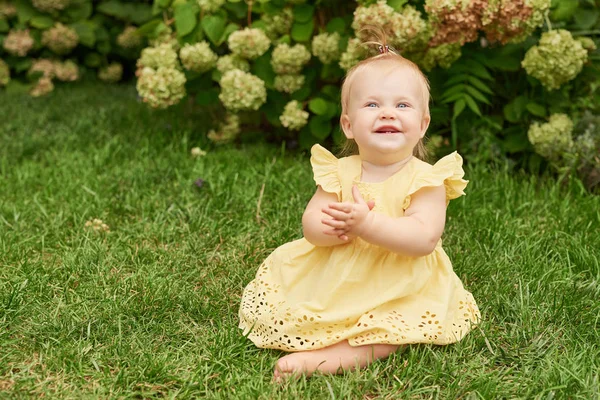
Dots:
pixel 325 170
pixel 447 171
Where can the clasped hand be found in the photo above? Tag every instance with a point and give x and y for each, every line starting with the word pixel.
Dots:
pixel 348 220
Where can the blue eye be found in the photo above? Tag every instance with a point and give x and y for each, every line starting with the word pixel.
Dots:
pixel 372 105
pixel 402 105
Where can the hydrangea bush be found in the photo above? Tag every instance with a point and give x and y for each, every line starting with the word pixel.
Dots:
pixel 505 74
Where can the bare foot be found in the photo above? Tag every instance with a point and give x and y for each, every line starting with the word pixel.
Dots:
pixel 334 359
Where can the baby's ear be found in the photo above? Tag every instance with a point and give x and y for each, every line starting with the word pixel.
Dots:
pixel 425 124
pixel 346 126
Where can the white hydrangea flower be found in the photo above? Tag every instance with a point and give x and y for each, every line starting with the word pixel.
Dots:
pixel 443 55
pixel 210 5
pixel 294 117
pixel 7 10
pixel 557 59
pixel 228 131
pixel 18 43
pixel 326 47
pixel 43 87
pixel 161 56
pixel 4 73
pixel 242 91
pixel 43 65
pixel 129 38
pixel 60 39
pixel 198 57
pixel 66 71
pixel 50 5
pixel 197 152
pixel 289 60
pixel 552 139
pixel 278 24
pixel 231 61
pixel 249 43
pixel 288 83
pixel 162 87
pixel 112 73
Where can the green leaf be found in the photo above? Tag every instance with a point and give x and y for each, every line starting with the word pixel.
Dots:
pixel 41 22
pixel 80 10
pixel 239 9
pixel 85 31
pixel 397 5
pixel 318 106
pixel 301 94
pixel 514 110
pixel 478 69
pixel 149 27
pixel 114 8
pixel 140 13
pixel 186 18
pixel 104 47
pixel 320 127
pixel 25 11
pixel 460 88
pixel 564 10
pixel 459 107
pixel 585 18
pixel 453 98
pixel 480 85
pixel 4 27
pixel 229 29
pixel 263 69
pixel 93 60
pixel 536 109
pixel 305 139
pixel 207 97
pixel 472 104
pixel 303 13
pixel 214 27
pixel 456 79
pixel 163 3
pixel 477 95
pixel 302 32
pixel 337 24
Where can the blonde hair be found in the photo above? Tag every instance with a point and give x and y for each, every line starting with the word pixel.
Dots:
pixel 389 57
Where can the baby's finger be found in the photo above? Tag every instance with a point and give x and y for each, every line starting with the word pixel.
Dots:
pixel 334 223
pixel 344 207
pixel 343 237
pixel 335 214
pixel 335 232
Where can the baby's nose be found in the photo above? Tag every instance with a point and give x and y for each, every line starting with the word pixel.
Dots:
pixel 387 113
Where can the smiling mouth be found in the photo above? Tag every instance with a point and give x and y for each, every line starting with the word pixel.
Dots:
pixel 387 130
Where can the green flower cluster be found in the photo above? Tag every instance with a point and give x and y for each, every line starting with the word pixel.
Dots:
pixel 288 83
pixel 587 43
pixel 50 5
pixel 230 61
pixel 228 130
pixel 287 60
pixel 210 6
pixel 60 39
pixel 294 117
pixel 162 87
pixel 4 73
pixel 242 91
pixel 43 86
pixel 112 73
pixel 7 9
pixel 405 30
pixel 198 57
pixel 162 55
pixel 129 38
pixel 443 55
pixel 353 54
pixel 552 139
pixel 166 37
pixel 18 43
pixel 557 58
pixel 249 43
pixel 510 21
pixel 326 47
pixel 276 25
pixel 66 71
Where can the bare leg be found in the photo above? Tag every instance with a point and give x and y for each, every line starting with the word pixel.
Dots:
pixel 334 359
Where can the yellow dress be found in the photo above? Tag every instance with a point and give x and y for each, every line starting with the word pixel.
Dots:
pixel 306 297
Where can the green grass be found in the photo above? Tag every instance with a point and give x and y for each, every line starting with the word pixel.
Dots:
pixel 149 310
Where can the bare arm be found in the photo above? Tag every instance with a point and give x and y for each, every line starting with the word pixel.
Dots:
pixel 415 234
pixel 311 220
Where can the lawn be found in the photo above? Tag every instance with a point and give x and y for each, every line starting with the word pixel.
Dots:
pixel 148 309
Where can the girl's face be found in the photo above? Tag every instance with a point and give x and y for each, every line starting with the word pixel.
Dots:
pixel 386 114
